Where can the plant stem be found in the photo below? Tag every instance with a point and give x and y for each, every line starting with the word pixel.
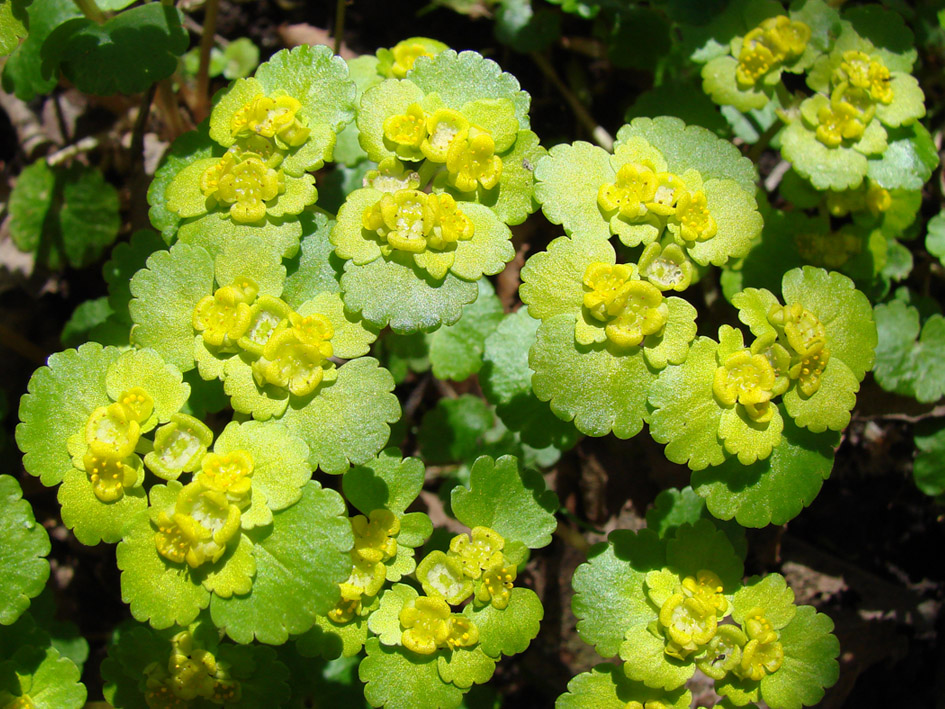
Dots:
pixel 758 148
pixel 91 11
pixel 141 122
pixel 340 9
pixel 598 133
pixel 167 103
pixel 202 104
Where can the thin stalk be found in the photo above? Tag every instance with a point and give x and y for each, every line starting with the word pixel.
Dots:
pixel 758 148
pixel 170 109
pixel 91 11
pixel 340 9
pixel 202 105
pixel 141 122
pixel 598 133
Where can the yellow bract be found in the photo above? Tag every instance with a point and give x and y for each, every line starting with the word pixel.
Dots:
pixel 689 617
pixel 270 117
pixel 245 182
pixel 631 309
pixel 635 184
pixel 191 673
pixel 669 191
pixel 496 587
pixel 11 702
pixel 413 221
pixel 747 379
pixel 406 54
pixel 862 71
pixel 483 551
pixel 224 317
pixel 774 41
pixel 763 653
pixel 651 704
pixel 471 161
pixel 375 536
pixel 442 128
pixel 204 520
pixel 692 216
pixel 425 625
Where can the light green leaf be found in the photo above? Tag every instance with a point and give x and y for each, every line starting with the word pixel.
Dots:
pixel 567 183
pixel 704 546
pixel 12 25
pixel 300 561
pixel 735 212
pixel 273 240
pixel 49 680
pixel 246 396
pixel 346 421
pixel 24 546
pixel 389 98
pixel 91 520
pixel 280 466
pixel 608 588
pixel 508 631
pixel 908 161
pixel 553 280
pixel 599 390
pixel 385 621
pixel 398 293
pixel 60 398
pixel 513 200
pixel 770 593
pixel 465 667
pixel 456 350
pixel 160 593
pixel 645 660
pixel 397 678
pixel 935 236
pixel 774 490
pixel 514 503
pixel 607 687
pixel 165 295
pixel 352 337
pixel 810 665
pixel 386 482
pixel 685 414
pixel 318 269
pixel 163 382
pixel 837 169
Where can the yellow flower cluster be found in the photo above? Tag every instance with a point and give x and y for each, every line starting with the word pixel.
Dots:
pixel 772 43
pixel 191 673
pixel 630 308
pixel 111 435
pixel 446 137
pixel 375 542
pixel 292 351
pixel 429 624
pixel 806 344
pixel 205 517
pixel 860 83
pixel 639 192
pixel 414 221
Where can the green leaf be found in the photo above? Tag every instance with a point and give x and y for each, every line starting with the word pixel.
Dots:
pixel 241 56
pixel 330 640
pixel 385 621
pixel 346 421
pixel 511 630
pixel 839 168
pixel 810 665
pixel 386 482
pixel 273 240
pixel 280 466
pixel 300 561
pixel 50 681
pixel 608 588
pixel 904 365
pixel 601 391
pixel 685 413
pixel 683 98
pixel 645 659
pixel 23 73
pixel 318 269
pixel 773 490
pixel 935 236
pixel 928 469
pixel 673 508
pixel 506 381
pixel 25 544
pixel 553 280
pixel 140 46
pixel 514 199
pixel 704 546
pixel 456 350
pixel 402 295
pixel 352 336
pixel 908 161
pixel 770 593
pixel 691 147
pixel 397 678
pixel 515 503
pixel 524 30
pixel 452 431
pixel 468 76
pixel 91 316
pixel 63 216
pixel 465 667
pixel 607 687
pixel 158 592
pixel 165 295
pixel 60 398
pixel 91 520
